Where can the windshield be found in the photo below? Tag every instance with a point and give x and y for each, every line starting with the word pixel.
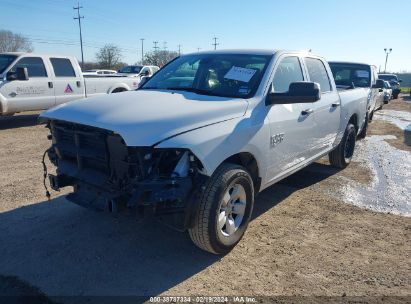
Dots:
pixel 226 75
pixel 5 61
pixel 388 77
pixel 131 69
pixel 348 75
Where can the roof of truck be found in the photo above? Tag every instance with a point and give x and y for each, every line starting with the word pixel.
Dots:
pixel 251 51
pixel 350 62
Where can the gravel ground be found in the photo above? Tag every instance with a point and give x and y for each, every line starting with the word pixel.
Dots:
pixel 307 237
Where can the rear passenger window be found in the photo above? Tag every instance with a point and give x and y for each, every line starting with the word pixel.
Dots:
pixel 35 66
pixel 62 67
pixel 318 73
pixel 288 71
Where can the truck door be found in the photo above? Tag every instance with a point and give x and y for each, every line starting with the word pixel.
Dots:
pixel 327 110
pixel 32 94
pixel 290 125
pixel 67 85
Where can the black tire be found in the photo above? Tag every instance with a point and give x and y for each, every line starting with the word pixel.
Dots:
pixel 341 156
pixel 205 232
pixel 395 96
pixel 371 116
pixel 118 90
pixel 364 130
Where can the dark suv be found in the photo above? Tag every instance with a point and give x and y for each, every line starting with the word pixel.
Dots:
pixel 394 82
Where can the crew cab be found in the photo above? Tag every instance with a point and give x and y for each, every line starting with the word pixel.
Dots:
pixel 352 75
pixel 202 137
pixel 31 82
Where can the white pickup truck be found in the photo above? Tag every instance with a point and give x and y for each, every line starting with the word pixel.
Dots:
pixel 31 82
pixel 203 136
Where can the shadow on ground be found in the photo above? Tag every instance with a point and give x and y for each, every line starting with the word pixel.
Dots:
pixel 19 121
pixel 64 249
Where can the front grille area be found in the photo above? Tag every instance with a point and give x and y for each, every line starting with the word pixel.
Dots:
pixel 83 152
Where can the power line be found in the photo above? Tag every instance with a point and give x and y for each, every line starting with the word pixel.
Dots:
pixel 215 42
pixel 79 25
pixel 155 47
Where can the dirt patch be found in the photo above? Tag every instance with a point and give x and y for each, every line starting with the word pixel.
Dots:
pixel 403 103
pixel 304 239
pixel 379 127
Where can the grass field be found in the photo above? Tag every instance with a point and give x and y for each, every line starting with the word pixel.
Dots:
pixel 405 89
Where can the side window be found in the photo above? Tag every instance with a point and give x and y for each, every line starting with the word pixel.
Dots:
pixel 146 69
pixel 288 71
pixel 35 66
pixel 62 67
pixel 318 73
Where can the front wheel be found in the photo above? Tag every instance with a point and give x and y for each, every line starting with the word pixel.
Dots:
pixel 341 156
pixel 224 210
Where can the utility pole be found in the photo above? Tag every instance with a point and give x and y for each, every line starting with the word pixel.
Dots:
pixel 198 50
pixel 142 50
pixel 79 25
pixel 215 43
pixel 179 50
pixel 165 45
pixel 387 52
pixel 155 47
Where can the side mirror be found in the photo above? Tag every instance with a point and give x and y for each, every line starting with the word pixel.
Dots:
pixel 298 92
pixel 379 84
pixel 143 80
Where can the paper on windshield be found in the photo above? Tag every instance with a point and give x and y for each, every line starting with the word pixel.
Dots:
pixel 240 74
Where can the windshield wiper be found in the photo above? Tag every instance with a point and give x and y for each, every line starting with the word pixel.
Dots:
pixel 194 90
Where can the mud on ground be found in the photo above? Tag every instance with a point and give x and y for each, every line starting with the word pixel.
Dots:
pixel 306 237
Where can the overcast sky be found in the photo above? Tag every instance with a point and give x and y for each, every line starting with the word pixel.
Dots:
pixel 347 30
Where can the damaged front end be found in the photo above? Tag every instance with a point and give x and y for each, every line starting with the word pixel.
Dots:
pixel 108 175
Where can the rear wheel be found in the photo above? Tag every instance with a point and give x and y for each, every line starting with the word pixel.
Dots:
pixel 341 156
pixel 224 210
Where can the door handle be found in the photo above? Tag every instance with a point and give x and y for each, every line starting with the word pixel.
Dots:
pixel 335 104
pixel 307 112
pixel 78 84
pixel 50 85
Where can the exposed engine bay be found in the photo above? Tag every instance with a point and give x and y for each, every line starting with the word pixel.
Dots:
pixel 108 175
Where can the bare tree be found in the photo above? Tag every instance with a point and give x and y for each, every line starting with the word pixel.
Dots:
pixel 12 42
pixel 159 58
pixel 109 56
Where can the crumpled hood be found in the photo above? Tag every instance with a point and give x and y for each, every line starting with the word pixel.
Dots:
pixel 146 117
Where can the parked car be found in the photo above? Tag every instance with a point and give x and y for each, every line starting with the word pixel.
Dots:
pixel 387 92
pixel 30 82
pixel 99 72
pixel 394 82
pixel 139 70
pixel 349 75
pixel 203 136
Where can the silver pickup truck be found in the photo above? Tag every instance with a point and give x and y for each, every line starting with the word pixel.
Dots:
pixel 30 82
pixel 203 136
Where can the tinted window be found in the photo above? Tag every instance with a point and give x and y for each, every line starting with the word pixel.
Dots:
pixel 388 77
pixel 5 61
pixel 318 73
pixel 35 66
pixel 62 67
pixel 288 71
pixel 345 75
